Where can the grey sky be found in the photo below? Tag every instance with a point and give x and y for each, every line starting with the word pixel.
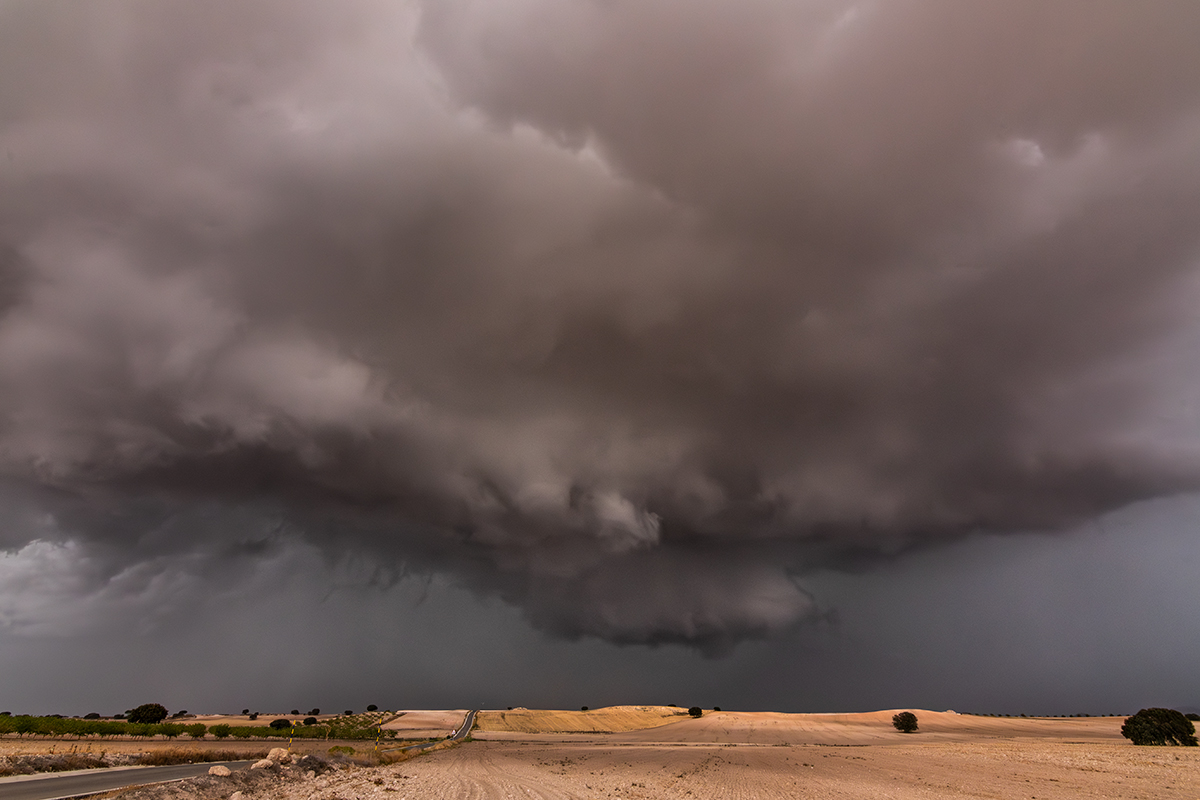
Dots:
pixel 654 323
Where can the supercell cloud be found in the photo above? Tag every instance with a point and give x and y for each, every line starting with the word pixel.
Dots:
pixel 629 313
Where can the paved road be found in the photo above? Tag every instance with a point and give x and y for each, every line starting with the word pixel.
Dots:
pixel 461 733
pixel 73 784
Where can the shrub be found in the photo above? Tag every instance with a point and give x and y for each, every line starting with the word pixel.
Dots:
pixel 279 724
pixel 241 733
pixel 1194 717
pixel 348 712
pixel 92 715
pixel 1159 726
pixel 150 713
pixel 716 708
pixel 315 711
pixel 245 711
pixel 905 722
pixel 695 711
pixel 220 731
pixel 310 720
pixel 583 708
pixel 372 707
pixel 254 715
pixel 295 712
pixel 196 730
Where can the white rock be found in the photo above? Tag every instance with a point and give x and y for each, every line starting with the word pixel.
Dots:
pixel 236 796
pixel 265 763
pixel 279 755
pixel 220 770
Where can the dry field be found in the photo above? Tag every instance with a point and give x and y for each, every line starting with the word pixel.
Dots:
pixel 613 719
pixel 764 755
pixel 425 724
pixel 752 755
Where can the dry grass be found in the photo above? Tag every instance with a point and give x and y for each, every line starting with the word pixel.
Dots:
pixel 179 755
pixel 613 719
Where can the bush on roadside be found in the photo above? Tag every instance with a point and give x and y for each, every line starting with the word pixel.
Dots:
pixel 905 722
pixel 180 755
pixel 1159 726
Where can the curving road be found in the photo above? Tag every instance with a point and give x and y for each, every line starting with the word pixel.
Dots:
pixel 458 734
pixel 72 784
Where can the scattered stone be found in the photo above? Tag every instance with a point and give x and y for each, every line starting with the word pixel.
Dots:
pixel 264 763
pixel 220 770
pixel 236 796
pixel 279 755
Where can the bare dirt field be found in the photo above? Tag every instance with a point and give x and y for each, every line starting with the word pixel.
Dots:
pixel 755 755
pixel 758 755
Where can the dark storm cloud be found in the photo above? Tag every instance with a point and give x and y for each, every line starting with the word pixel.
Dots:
pixel 630 313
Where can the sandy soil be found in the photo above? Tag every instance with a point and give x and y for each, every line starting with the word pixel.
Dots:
pixel 1022 767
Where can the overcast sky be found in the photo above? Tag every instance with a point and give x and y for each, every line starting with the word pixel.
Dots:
pixel 799 355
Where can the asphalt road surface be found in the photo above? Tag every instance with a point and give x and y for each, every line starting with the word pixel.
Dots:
pixel 462 731
pixel 73 784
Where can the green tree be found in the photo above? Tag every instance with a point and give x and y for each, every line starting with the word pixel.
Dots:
pixel 220 731
pixel 150 713
pixel 905 722
pixel 695 711
pixel 1159 726
pixel 196 730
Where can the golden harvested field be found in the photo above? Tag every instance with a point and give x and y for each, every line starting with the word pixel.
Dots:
pixel 613 719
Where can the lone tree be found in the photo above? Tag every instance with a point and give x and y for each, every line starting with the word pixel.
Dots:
pixel 905 722
pixel 150 713
pixel 372 707
pixel 280 724
pixel 695 711
pixel 1159 726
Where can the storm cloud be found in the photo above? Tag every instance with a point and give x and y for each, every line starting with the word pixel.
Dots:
pixel 629 313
